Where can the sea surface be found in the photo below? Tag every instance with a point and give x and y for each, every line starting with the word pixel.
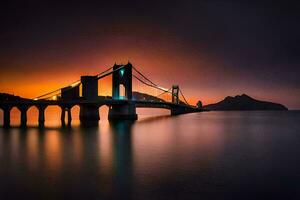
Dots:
pixel 209 155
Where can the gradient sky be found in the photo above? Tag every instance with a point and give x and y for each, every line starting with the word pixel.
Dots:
pixel 212 49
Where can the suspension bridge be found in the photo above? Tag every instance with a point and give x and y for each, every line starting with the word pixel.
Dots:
pixel 122 104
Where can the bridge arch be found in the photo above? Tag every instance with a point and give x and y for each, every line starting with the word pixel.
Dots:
pixel 52 116
pixel 122 91
pixel 103 112
pixel 32 116
pixel 75 112
pixel 15 116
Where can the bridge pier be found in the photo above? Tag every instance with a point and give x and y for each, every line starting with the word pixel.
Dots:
pixel 42 109
pixel 69 116
pixel 176 111
pixel 183 110
pixel 122 76
pixel 122 112
pixel 23 110
pixel 63 115
pixel 89 115
pixel 6 116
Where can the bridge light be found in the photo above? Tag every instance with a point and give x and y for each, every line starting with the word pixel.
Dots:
pixel 163 88
pixel 122 72
pixel 75 84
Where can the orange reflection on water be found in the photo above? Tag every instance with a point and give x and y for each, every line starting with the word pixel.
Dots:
pixel 33 151
pixel 105 148
pixel 168 140
pixel 77 148
pixel 15 144
pixel 53 150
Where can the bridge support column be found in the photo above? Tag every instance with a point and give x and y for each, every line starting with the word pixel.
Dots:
pixel 176 111
pixel 89 115
pixel 23 110
pixel 6 116
pixel 122 75
pixel 122 112
pixel 42 115
pixel 62 116
pixel 175 94
pixel 69 116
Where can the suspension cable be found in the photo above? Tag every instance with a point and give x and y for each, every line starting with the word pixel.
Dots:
pixel 140 73
pixel 104 71
pixel 47 94
pixel 78 81
pixel 163 93
pixel 183 97
pixel 157 87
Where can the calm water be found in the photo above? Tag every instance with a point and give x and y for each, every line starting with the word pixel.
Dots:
pixel 213 155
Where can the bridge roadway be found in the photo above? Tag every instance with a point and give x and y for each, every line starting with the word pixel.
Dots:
pixel 89 109
pixel 98 103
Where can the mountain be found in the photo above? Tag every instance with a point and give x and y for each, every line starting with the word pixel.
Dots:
pixel 244 102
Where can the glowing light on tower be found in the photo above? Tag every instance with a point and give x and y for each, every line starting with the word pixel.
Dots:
pixel 122 72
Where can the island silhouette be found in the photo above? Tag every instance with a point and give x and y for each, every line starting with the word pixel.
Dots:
pixel 243 102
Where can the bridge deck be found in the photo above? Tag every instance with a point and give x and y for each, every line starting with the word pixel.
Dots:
pixel 99 102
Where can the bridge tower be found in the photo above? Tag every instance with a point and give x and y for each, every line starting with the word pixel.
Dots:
pixel 122 90
pixel 89 113
pixel 175 92
pixel 122 79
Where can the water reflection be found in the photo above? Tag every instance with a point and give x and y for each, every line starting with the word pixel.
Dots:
pixel 112 159
pixel 53 150
pixel 122 153
pixel 15 145
pixel 196 155
pixel 33 148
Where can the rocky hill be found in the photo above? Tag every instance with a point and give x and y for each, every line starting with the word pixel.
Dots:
pixel 244 102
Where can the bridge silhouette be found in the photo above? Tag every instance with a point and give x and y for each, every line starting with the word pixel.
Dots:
pixel 84 92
